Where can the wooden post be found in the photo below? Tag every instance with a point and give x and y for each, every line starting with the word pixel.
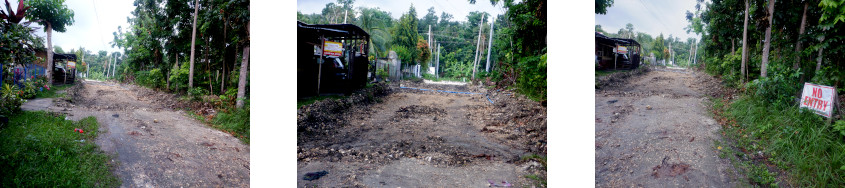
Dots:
pixel 320 63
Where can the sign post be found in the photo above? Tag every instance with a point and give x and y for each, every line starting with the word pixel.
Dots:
pixel 819 98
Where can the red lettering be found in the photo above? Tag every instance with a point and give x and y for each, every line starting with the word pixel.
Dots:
pixel 806 101
pixel 817 92
pixel 825 105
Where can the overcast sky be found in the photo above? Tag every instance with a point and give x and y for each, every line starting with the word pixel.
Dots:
pixel 86 31
pixel 458 8
pixel 649 16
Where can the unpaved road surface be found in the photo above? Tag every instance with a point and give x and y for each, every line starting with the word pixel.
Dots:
pixel 415 138
pixel 152 144
pixel 668 145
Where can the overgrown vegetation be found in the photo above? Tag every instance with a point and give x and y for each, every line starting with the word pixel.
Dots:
pixel 517 61
pixel 235 121
pixel 41 149
pixel 775 142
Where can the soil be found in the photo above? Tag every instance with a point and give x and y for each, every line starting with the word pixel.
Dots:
pixel 153 143
pixel 422 138
pixel 653 130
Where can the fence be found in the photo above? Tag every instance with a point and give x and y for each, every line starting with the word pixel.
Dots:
pixel 21 73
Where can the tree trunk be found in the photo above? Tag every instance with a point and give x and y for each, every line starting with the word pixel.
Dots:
pixel 768 42
pixel 193 45
pixel 225 36
pixel 242 78
pixel 800 32
pixel 208 67
pixel 819 59
pixel 49 53
pixel 733 49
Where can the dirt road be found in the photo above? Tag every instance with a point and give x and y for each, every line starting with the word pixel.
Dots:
pixel 153 144
pixel 653 130
pixel 416 138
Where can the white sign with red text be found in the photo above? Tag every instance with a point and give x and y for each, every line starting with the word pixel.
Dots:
pixel 818 98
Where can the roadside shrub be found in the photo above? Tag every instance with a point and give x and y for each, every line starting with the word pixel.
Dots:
pixel 152 78
pixel 179 77
pixel 532 79
pixel 235 121
pixel 10 100
pixel 196 93
pixel 829 76
pixel 29 89
pixel 779 87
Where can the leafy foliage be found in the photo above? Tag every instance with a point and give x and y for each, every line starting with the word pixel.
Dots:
pixel 602 5
pixel 54 12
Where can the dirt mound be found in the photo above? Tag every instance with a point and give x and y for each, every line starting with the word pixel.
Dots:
pixel 416 111
pixel 521 120
pixel 669 169
pixel 444 88
pixel 711 86
pixel 320 118
pixel 619 78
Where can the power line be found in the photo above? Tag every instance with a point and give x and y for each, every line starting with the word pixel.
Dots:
pixel 99 28
pixel 655 16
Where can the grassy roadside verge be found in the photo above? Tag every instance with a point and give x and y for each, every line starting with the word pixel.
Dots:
pixel 312 100
pixel 40 149
pixel 233 121
pixel 51 93
pixel 779 145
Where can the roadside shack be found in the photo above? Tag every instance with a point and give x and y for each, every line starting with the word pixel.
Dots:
pixel 616 53
pixel 331 59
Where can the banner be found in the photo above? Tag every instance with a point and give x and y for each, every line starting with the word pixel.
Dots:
pixel 333 49
pixel 621 50
pixel 818 98
pixel 71 65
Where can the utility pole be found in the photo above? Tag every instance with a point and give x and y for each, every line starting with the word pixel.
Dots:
pixel 437 67
pixel 114 66
pixel 695 53
pixel 671 56
pixel 345 12
pixel 87 66
pixel 108 68
pixel 689 58
pixel 477 46
pixel 490 46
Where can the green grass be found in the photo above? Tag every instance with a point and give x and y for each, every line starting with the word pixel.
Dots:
pixel 235 122
pixel 312 100
pixel 38 149
pixel 796 142
pixel 600 73
pixel 52 92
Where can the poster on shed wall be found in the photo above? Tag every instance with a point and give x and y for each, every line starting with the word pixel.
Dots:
pixel 818 98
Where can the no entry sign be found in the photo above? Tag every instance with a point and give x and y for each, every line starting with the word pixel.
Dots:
pixel 818 98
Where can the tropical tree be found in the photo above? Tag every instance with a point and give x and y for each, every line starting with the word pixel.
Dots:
pixel 768 41
pixel 54 15
pixel 601 6
pixel 405 35
pixel 193 44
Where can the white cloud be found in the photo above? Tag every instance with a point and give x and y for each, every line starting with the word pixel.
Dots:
pixel 649 16
pixel 458 8
pixel 86 31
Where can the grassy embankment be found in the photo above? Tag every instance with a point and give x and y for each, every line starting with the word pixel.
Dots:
pixel 780 145
pixel 40 149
